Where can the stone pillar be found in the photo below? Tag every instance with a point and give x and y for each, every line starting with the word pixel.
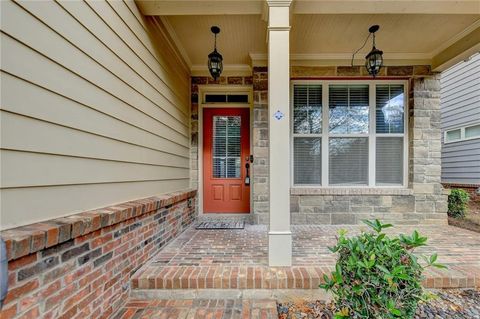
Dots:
pixel 425 151
pixel 279 235
pixel 260 145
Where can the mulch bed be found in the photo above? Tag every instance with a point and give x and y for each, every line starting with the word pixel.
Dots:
pixel 464 223
pixel 454 304
pixel 472 219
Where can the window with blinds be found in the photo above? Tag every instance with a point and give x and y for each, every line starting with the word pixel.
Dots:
pixel 307 130
pixel 389 161
pixel 348 109
pixel 226 146
pixel 348 161
pixel 389 101
pixel 342 153
pixel 307 109
pixel 389 120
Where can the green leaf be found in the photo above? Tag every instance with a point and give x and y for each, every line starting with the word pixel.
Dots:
pixel 433 258
pixel 439 266
pixel 382 268
pixel 395 311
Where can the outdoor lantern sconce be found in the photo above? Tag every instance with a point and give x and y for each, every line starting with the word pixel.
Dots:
pixel 374 59
pixel 215 59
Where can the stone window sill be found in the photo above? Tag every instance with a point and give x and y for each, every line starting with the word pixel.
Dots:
pixel 349 191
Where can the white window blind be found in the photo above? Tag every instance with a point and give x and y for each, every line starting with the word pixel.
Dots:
pixel 390 108
pixel 348 161
pixel 226 146
pixel 307 109
pixel 307 129
pixel 389 161
pixel 348 109
pixel 307 162
pixel 389 119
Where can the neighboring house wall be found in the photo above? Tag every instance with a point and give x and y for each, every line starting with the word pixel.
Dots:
pixel 460 103
pixel 95 109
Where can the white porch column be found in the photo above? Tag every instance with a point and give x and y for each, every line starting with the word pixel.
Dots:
pixel 279 235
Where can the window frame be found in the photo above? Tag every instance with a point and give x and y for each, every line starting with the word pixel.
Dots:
pixel 462 134
pixel 371 135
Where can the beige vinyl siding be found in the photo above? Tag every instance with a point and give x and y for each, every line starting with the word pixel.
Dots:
pixel 94 109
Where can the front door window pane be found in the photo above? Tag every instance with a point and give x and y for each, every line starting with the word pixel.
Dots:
pixel 226 146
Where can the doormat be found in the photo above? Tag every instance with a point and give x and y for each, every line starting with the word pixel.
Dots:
pixel 221 225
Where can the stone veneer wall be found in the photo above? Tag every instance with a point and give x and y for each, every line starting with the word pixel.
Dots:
pixel 80 266
pixel 424 201
pixel 259 148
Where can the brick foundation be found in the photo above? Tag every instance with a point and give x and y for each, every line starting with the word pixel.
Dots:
pixel 80 266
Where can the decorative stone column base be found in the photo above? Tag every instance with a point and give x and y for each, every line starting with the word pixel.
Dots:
pixel 279 248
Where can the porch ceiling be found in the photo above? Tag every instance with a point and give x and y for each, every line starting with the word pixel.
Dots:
pixel 438 33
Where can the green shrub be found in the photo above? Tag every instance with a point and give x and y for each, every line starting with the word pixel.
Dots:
pixel 377 276
pixel 457 203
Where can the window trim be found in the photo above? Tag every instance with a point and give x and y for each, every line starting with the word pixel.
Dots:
pixel 371 135
pixel 462 134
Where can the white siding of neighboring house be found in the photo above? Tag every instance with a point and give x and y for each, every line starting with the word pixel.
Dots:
pixel 460 102
pixel 94 109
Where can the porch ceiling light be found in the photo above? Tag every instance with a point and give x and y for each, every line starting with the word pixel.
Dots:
pixel 215 59
pixel 374 59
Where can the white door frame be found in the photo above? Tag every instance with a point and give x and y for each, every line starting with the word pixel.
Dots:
pixel 223 89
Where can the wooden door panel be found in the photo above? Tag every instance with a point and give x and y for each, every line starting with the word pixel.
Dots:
pixel 235 192
pixel 226 150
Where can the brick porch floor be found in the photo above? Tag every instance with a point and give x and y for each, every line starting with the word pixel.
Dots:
pixel 237 259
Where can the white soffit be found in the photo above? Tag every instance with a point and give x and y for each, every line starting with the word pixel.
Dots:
pixel 324 38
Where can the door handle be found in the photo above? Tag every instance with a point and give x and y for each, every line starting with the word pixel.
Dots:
pixel 247 176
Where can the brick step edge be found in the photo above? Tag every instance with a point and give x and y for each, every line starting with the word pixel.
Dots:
pixel 263 277
pixel 28 239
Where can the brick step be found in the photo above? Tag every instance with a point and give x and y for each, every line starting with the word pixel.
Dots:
pixel 263 277
pixel 198 308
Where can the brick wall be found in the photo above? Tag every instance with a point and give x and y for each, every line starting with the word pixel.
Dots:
pixel 80 266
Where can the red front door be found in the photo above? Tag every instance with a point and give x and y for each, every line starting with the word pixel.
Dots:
pixel 226 151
